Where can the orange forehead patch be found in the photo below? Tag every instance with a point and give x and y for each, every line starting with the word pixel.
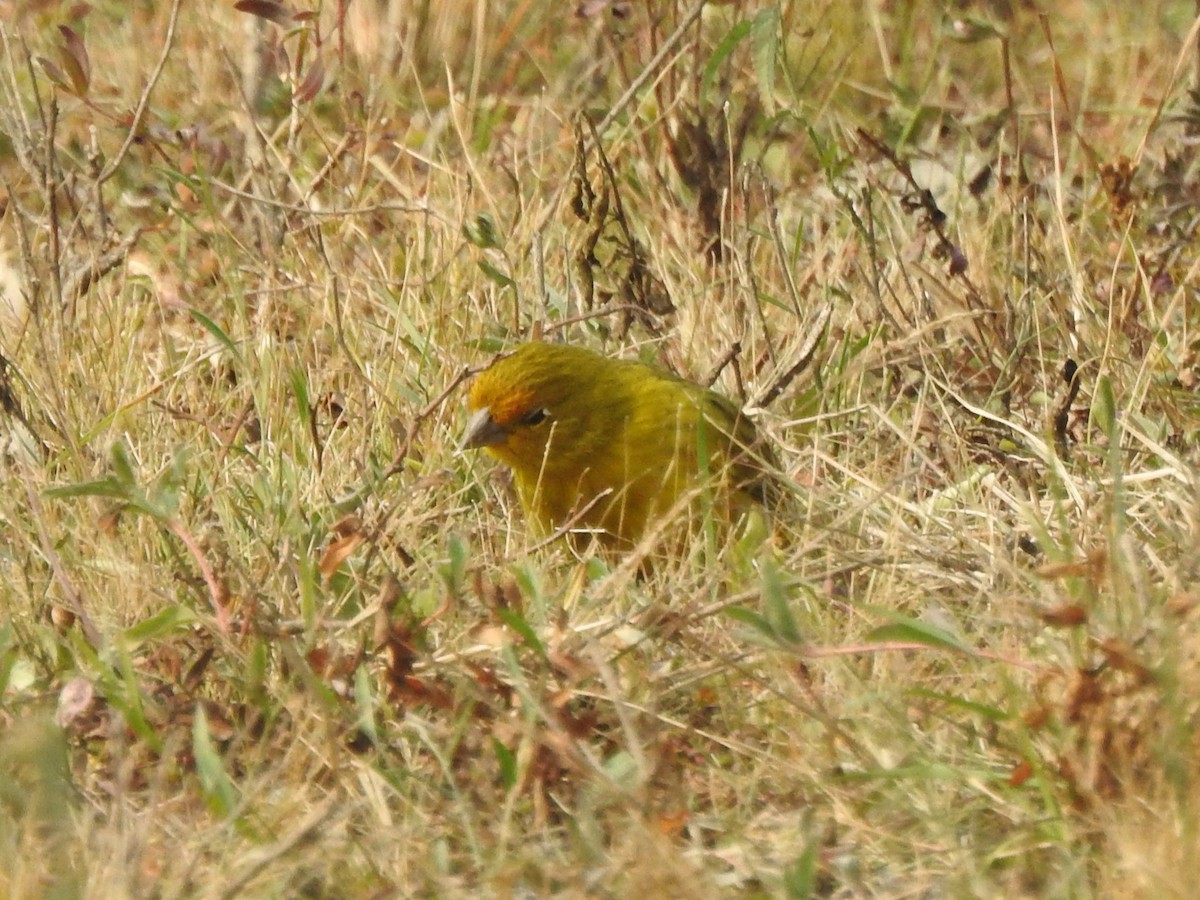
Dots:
pixel 506 405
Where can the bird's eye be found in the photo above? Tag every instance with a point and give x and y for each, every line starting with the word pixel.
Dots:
pixel 536 417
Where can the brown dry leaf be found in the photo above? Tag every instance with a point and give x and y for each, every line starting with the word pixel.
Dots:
pixel 1069 616
pixel 1057 571
pixel 671 824
pixel 590 9
pixel 401 657
pixel 1036 718
pixel 54 72
pixel 413 691
pixel 1093 568
pixel 195 672
pixel 347 525
pixel 1120 656
pixel 266 9
pixel 486 679
pixel 337 553
pixel 333 403
pixel 74 57
pixel 1084 691
pixel 312 84
pixel 219 725
pixel 1117 178
pixel 109 520
pixel 1183 603
pixel 61 618
pixel 318 659
pixel 489 634
pixel 1021 774
pixel 389 593
pixel 569 664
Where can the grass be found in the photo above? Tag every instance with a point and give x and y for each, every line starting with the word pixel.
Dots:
pixel 268 632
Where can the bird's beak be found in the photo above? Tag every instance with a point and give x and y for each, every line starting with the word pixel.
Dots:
pixel 483 431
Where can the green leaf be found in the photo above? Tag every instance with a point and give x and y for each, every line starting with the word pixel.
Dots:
pixel 495 274
pixel 120 685
pixel 8 655
pixel 122 465
pixel 800 878
pixel 454 571
pixel 914 631
pixel 482 232
pixel 517 623
pixel 160 624
pixel 310 591
pixel 215 330
pixel 752 619
pixel 988 712
pixel 218 789
pixel 622 768
pixel 107 487
pixel 764 43
pixel 775 603
pixel 162 501
pixel 1104 408
pixel 300 391
pixel 508 764
pixel 726 47
pixel 970 30
pixel 364 699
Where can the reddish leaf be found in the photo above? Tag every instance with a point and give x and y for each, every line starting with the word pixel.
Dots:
pixel 672 824
pixel 318 659
pixel 1037 718
pixel 1182 603
pixel 55 73
pixel 1068 616
pixel 312 84
pixel 267 9
pixel 74 56
pixel 1092 568
pixel 415 692
pixel 1120 656
pixel 195 672
pixel 1085 691
pixel 1058 570
pixel 1021 774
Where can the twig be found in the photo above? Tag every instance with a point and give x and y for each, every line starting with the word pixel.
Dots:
pixel 90 633
pixel 77 283
pixel 430 408
pixel 218 592
pixel 805 357
pixel 1062 409
pixel 139 113
pixel 651 67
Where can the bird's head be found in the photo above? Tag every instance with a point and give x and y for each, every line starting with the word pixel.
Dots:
pixel 524 400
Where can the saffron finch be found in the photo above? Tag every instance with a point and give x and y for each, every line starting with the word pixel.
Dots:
pixel 607 447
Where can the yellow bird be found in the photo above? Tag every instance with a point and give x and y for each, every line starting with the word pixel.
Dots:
pixel 608 447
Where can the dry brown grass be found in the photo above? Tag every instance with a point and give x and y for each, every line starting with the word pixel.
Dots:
pixel 268 633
